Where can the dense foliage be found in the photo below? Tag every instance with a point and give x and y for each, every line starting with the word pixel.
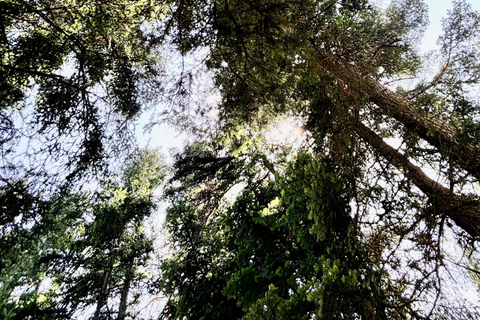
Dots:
pixel 285 249
pixel 343 224
pixel 79 250
pixel 371 213
pixel 73 74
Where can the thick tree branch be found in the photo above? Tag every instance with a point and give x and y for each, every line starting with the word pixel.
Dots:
pixel 465 212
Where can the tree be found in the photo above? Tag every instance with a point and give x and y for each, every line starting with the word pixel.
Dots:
pixel 271 56
pixel 73 76
pixel 328 65
pixel 344 226
pixel 85 251
pixel 30 241
pixel 285 249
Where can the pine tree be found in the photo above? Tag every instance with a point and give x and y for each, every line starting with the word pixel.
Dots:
pixel 73 76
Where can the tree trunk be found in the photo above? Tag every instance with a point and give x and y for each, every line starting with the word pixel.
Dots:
pixel 429 127
pixel 122 309
pixel 102 297
pixel 465 212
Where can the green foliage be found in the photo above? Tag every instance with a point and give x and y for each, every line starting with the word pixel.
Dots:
pixel 282 250
pixel 81 250
pixel 347 227
pixel 341 225
pixel 79 70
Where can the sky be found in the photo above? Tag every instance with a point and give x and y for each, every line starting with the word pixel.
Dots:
pixel 438 10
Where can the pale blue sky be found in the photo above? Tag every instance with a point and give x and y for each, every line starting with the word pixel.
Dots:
pixel 438 10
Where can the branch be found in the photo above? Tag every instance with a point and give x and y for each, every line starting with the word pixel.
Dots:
pixel 38 73
pixel 434 82
pixel 268 164
pixel 55 26
pixel 464 211
pixel 428 126
pixel 32 10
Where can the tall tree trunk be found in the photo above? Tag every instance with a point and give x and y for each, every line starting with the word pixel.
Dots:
pixel 465 212
pixel 429 127
pixel 102 297
pixel 122 310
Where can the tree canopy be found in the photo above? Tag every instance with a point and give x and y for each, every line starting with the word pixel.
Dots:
pixel 72 76
pixel 373 212
pixel 80 250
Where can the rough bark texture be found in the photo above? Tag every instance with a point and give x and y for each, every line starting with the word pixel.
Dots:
pixel 465 212
pixel 432 129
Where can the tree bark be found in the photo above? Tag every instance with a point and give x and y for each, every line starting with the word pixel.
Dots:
pixel 464 211
pixel 122 309
pixel 102 298
pixel 429 127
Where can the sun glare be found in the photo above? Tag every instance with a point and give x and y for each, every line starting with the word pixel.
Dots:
pixel 286 132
